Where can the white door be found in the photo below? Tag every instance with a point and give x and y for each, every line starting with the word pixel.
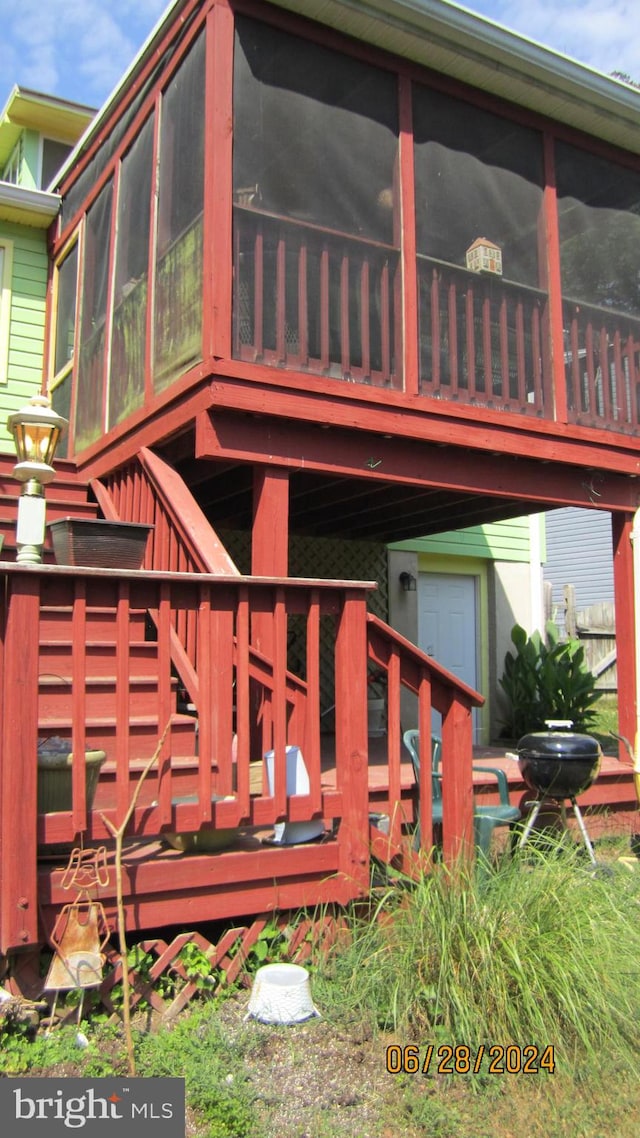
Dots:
pixel 447 627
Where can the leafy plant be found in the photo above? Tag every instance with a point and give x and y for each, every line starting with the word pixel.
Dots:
pixel 547 680
pixel 197 966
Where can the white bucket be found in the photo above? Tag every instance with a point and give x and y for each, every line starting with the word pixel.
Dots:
pixel 281 994
pixel 289 833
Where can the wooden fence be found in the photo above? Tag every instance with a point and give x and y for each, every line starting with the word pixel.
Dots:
pixel 595 628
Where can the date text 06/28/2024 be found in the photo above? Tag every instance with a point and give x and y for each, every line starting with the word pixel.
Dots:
pixel 458 1059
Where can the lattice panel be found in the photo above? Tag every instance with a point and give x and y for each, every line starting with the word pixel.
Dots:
pixel 330 558
pixel 229 958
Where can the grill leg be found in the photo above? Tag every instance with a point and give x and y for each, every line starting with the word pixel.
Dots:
pixel 583 830
pixel 531 821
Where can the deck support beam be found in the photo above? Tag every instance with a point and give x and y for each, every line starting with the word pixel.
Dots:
pixel 625 601
pixel 269 558
pixel 18 766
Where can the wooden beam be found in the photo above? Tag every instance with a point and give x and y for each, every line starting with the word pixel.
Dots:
pixel 296 446
pixel 18 765
pixel 625 602
pixel 270 534
pixel 259 389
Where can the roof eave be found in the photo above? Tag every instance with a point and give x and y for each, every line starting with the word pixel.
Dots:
pixel 28 207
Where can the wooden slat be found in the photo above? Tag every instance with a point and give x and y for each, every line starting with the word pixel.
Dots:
pixel 243 756
pixel 303 307
pixel 312 718
pixel 487 361
pixel 425 787
pixel 435 330
pixel 78 707
pixel 122 699
pixel 503 323
pixel 385 330
pixel 453 338
pixel 258 294
pixel 165 706
pixel 457 784
pixel 324 308
pixel 18 766
pixel 520 353
pixel 222 694
pixel 351 738
pixel 365 323
pixel 394 744
pixel 471 343
pixel 281 299
pixel 279 702
pixel 205 666
pixel 345 308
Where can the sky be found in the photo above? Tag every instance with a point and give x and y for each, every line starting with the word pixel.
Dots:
pixel 79 49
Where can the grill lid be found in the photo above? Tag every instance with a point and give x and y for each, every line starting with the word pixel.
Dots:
pixel 558 745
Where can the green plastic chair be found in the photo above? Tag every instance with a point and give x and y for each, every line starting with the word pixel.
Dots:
pixel 485 818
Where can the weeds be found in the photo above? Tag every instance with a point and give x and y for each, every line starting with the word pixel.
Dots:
pixel 538 952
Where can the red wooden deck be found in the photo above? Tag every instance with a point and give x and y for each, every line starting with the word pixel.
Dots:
pixel 165 887
pixel 102 625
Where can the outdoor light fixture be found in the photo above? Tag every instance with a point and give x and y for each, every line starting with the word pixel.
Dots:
pixel 407 582
pixel 36 430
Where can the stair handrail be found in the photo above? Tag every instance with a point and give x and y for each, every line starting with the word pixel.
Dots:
pixel 189 521
pixel 406 665
pixel 413 660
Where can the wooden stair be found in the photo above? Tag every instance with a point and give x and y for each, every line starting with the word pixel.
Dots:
pixel 54 685
pixel 66 496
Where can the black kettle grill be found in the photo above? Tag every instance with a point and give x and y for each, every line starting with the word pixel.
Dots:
pixel 558 764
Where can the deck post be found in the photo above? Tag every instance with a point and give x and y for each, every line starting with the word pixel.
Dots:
pixel 457 784
pixel 352 756
pixel 269 558
pixel 18 764
pixel 621 527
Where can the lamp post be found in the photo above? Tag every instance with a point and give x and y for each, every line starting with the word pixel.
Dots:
pixel 36 430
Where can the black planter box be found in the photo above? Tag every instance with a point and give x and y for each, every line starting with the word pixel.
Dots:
pixel 99 543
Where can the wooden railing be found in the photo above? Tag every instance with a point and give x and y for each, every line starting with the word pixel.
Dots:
pixel 404 666
pixel 315 300
pixel 602 366
pixel 218 778
pixel 483 340
pixel 182 540
pixel 214 787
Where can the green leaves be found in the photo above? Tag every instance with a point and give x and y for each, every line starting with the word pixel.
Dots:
pixel 546 681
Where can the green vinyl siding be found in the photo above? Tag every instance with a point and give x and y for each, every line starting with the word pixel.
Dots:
pixel 26 322
pixel 497 541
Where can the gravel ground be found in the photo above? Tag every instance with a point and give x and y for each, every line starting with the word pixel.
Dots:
pixel 312 1080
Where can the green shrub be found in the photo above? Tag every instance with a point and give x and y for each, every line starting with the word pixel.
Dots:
pixel 547 681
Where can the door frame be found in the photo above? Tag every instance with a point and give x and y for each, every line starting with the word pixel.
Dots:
pixel 476 567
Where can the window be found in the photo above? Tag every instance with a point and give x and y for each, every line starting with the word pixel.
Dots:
pixel 6 262
pixel 599 220
pixel 179 277
pixel 13 168
pixel 316 215
pixel 54 155
pixel 315 132
pixel 479 228
pixel 477 176
pixel 65 286
pixel 128 336
pixel 89 420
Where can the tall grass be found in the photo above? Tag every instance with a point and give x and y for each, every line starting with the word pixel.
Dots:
pixel 537 952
